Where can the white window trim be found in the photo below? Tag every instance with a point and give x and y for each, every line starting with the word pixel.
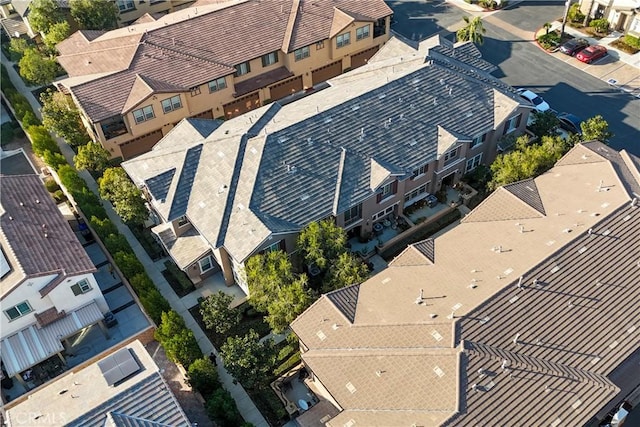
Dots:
pixel 384 212
pixel 172 105
pixel 363 35
pixel 419 196
pixel 471 161
pixel 342 37
pixel 304 52
pixel 19 313
pixel 512 120
pixel 210 258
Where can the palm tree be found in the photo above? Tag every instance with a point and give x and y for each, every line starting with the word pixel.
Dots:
pixel 472 31
pixel 547 26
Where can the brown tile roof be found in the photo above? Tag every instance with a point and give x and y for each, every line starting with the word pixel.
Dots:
pixel 50 315
pixel 565 331
pixel 35 232
pixel 169 50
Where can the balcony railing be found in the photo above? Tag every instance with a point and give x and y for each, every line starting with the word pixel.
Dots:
pixel 114 129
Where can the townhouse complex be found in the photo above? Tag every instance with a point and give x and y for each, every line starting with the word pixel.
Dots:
pixel 212 60
pixel 523 314
pixel 377 140
pixel 621 14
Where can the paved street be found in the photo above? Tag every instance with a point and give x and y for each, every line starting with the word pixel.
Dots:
pixel 418 19
pixel 509 45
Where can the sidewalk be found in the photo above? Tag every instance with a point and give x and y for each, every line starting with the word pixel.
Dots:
pixel 619 69
pixel 245 405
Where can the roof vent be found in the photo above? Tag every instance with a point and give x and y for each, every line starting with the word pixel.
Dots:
pixel 355 107
pixel 382 95
pixel 379 373
pixel 21 204
pixel 520 283
pixel 634 202
pixel 335 326
pixel 38 201
pixel 350 387
pixel 515 339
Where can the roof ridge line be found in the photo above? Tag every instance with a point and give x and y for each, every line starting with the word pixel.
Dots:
pixel 336 195
pixel 182 53
pixel 288 32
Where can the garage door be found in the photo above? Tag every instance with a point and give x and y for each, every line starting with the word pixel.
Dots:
pixel 359 59
pixel 140 145
pixel 242 105
pixel 286 88
pixel 204 115
pixel 326 72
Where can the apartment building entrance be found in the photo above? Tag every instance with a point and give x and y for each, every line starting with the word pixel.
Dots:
pixel 325 73
pixel 242 105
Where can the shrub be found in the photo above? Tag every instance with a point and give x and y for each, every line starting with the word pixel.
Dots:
pixel 103 227
pixel 154 304
pixel 51 185
pixel 632 41
pixel 179 275
pixel 600 25
pixel 29 119
pixel 223 410
pixel 116 242
pixel 178 341
pixel 549 41
pixel 70 179
pixel 128 263
pixel 203 376
pixel 575 15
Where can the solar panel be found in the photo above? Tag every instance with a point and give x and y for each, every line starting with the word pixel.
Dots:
pixel 118 366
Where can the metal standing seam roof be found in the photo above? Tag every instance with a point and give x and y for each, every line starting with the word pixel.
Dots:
pixel 36 233
pixel 303 150
pixel 32 345
pixel 146 403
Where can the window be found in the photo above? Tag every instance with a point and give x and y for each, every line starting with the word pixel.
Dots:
pixel 82 287
pixel 125 5
pixel 195 90
pixel 143 114
pixel 412 196
pixel 380 27
pixel 269 59
pixel 353 215
pixel 450 156
pixel 420 171
pixel 301 53
pixel 512 124
pixel 384 213
pixel 343 39
pixel 182 221
pixel 277 246
pixel 242 69
pixel 387 191
pixel 217 84
pixel 478 140
pixel 362 32
pixel 320 45
pixel 170 104
pixel 206 264
pixel 473 163
pixel 18 310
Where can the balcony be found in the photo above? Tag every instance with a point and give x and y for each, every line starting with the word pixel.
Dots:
pixel 113 127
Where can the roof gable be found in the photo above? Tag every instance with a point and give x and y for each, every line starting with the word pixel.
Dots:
pixel 340 21
pixel 504 107
pixel 527 191
pixel 345 300
pixel 503 205
pixel 159 185
pixel 185 182
pixel 139 92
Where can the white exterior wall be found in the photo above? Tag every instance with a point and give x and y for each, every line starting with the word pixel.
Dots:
pixel 61 297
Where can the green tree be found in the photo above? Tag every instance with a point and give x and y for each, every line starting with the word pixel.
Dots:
pixel 473 30
pixel 596 128
pixel 547 26
pixel 249 360
pixel 203 376
pixel 291 300
pixel 178 341
pixel 60 115
pixel 527 160
pixel 41 140
pixel 222 409
pixel 116 187
pixel 544 123
pixel 17 47
pixel 36 68
pixel 93 157
pixel 216 313
pixel 321 243
pixel 57 32
pixel 43 14
pixel 95 14
pixel 266 273
pixel 347 270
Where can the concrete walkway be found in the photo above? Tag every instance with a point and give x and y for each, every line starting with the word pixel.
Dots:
pixel 245 405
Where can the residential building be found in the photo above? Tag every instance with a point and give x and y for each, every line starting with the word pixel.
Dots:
pixel 621 14
pixel 523 314
pixel 48 291
pixel 15 13
pixel 377 140
pixel 216 60
pixel 124 388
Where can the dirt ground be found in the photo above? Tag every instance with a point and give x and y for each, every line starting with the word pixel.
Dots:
pixel 188 399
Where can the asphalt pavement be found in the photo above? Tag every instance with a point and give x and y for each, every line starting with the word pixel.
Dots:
pixel 509 45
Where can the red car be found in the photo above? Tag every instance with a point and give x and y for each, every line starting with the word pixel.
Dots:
pixel 591 53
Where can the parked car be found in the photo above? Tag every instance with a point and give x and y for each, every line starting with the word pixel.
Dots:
pixel 573 46
pixel 570 122
pixel 537 101
pixel 591 54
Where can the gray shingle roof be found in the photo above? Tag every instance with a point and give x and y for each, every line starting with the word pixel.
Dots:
pixel 159 185
pixel 427 248
pixel 36 232
pixel 185 183
pixel 149 399
pixel 527 191
pixel 345 300
pixel 303 163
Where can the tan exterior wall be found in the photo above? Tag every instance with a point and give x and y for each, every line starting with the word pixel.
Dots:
pixel 214 101
pixel 150 6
